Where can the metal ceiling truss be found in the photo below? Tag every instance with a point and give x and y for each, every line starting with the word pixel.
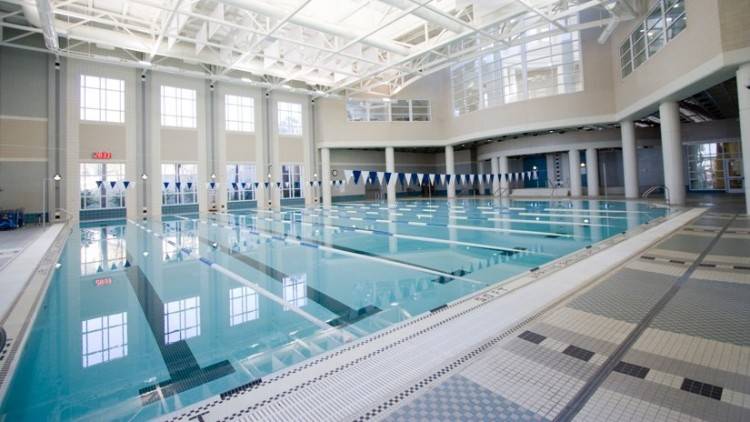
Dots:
pixel 249 39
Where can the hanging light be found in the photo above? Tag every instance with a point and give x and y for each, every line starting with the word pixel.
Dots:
pixel 57 177
pixel 144 176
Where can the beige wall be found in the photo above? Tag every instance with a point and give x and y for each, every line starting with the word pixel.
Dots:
pixel 240 147
pixel 291 149
pixel 179 144
pixel 734 16
pixel 333 126
pixel 23 138
pixel 98 137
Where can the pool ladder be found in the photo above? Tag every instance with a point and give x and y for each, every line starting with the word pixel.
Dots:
pixel 653 189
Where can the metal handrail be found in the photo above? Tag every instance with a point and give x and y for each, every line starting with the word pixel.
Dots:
pixel 653 189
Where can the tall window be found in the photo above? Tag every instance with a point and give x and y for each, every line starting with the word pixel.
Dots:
pixel 665 20
pixel 542 66
pixel 102 99
pixel 241 180
pixel 104 338
pixel 240 113
pixel 179 183
pixel 178 107
pixel 243 305
pixel 182 319
pixel 291 186
pixel 102 185
pixel 290 118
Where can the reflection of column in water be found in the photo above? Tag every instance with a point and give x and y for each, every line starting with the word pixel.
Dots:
pixel 392 241
pixel 578 229
pixel 596 221
pixel 632 208
pixel 327 234
pixel 505 204
pixel 452 232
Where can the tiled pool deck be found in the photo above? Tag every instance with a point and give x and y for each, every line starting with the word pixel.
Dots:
pixel 664 338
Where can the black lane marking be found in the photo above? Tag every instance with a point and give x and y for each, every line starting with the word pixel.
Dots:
pixel 243 387
pixel 632 370
pixel 184 371
pixel 345 314
pixel 702 388
pixel 578 353
pixel 574 406
pixel 532 337
pixel 442 279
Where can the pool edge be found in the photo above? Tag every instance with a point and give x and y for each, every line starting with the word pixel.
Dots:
pixel 641 239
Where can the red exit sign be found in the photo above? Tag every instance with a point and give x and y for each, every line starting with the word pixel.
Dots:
pixel 101 282
pixel 102 155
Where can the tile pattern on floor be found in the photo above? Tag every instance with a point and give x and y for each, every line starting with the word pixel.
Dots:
pixel 691 363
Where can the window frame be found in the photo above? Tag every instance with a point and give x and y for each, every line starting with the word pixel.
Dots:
pixel 500 76
pixel 183 196
pixel 104 194
pixel 104 108
pixel 247 193
pixel 291 173
pixel 292 127
pixel 185 100
pixel 665 34
pixel 245 106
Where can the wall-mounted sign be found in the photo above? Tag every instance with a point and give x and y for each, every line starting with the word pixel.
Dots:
pixel 101 155
pixel 101 282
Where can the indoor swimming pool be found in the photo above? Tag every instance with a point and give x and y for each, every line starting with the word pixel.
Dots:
pixel 142 318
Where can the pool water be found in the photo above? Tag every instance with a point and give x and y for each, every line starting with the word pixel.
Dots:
pixel 143 318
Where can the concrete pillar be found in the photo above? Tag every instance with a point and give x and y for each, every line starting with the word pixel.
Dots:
pixel 325 163
pixel 450 168
pixel 592 171
pixel 495 181
pixel 743 96
pixel 309 171
pixel 671 149
pixel 390 167
pixel 502 168
pixel 629 159
pixel 574 161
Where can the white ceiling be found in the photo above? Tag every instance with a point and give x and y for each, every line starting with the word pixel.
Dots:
pixel 349 47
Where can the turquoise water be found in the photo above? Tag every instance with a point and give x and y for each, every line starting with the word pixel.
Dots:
pixel 144 318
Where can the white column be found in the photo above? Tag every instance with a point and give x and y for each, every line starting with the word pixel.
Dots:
pixel 450 168
pixel 308 151
pixel 574 162
pixel 671 150
pixel 629 159
pixel 274 154
pixel 390 167
pixel 502 165
pixel 325 164
pixel 592 172
pixel 495 181
pixel 743 96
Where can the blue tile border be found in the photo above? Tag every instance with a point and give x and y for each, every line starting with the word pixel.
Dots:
pixel 346 198
pixel 179 209
pixel 240 205
pixel 102 214
pixel 292 201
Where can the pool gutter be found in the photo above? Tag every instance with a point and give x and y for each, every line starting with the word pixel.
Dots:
pixel 34 280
